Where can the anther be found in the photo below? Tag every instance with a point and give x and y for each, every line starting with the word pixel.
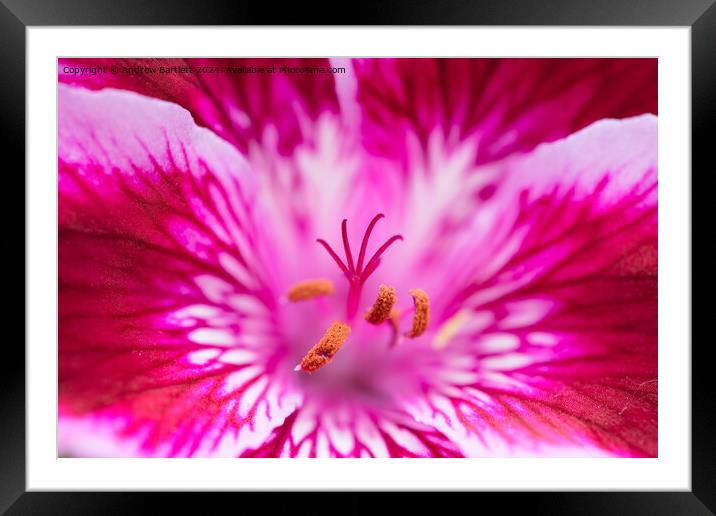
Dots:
pixel 450 328
pixel 384 303
pixel 309 289
pixel 322 353
pixel 421 315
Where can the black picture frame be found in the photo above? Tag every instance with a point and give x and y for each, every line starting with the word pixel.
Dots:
pixel 17 15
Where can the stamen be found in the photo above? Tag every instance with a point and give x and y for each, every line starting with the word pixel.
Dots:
pixel 322 353
pixel 421 315
pixel 381 310
pixel 309 289
pixel 395 327
pixel 450 328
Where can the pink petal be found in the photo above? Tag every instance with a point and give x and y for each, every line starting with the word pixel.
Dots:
pixel 286 124
pixel 241 106
pixel 557 344
pixel 166 328
pixel 347 429
pixel 501 105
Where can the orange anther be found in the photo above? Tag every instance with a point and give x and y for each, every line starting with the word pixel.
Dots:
pixel 322 353
pixel 309 289
pixel 421 315
pixel 383 305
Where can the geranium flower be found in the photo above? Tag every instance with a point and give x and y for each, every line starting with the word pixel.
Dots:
pixel 414 258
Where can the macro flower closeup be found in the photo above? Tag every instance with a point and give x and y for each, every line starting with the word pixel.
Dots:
pixel 357 257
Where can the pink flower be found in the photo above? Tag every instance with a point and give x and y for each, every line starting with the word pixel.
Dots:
pixel 511 311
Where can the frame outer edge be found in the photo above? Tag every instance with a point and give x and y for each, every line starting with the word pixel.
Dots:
pixel 12 143
pixel 12 396
pixel 703 114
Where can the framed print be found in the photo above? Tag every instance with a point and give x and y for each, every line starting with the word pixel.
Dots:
pixel 365 258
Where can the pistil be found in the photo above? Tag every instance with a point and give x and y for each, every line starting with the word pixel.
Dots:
pixel 355 273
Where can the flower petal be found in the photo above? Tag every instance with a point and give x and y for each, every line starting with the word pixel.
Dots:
pixel 286 124
pixel 501 105
pixel 347 429
pixel 552 339
pixel 166 327
pixel 237 98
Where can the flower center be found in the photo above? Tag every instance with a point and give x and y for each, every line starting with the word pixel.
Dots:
pixel 357 273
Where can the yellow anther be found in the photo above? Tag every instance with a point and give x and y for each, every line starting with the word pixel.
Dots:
pixel 309 289
pixel 322 353
pixel 421 315
pixel 450 328
pixel 381 310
